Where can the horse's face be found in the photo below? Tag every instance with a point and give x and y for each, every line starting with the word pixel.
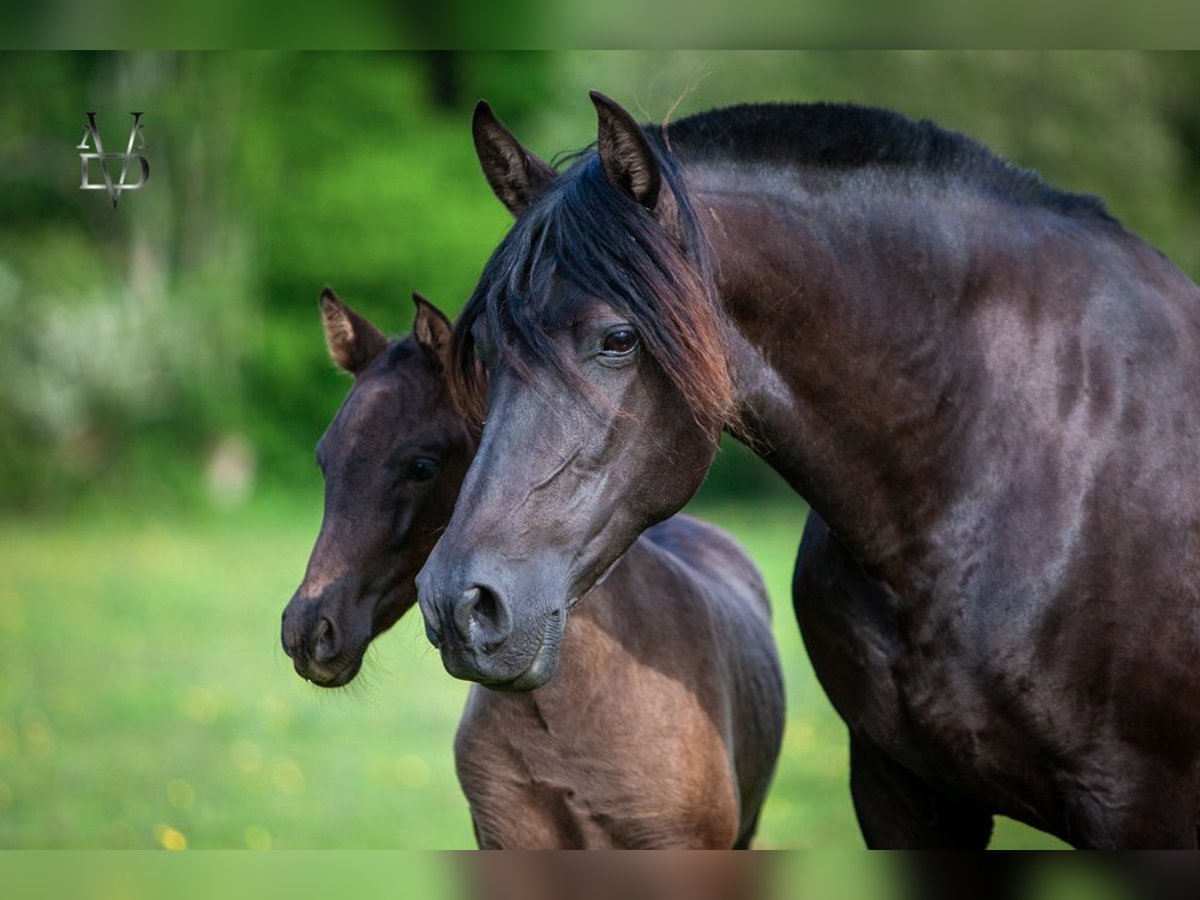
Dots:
pixel 392 459
pixel 590 435
pixel 573 465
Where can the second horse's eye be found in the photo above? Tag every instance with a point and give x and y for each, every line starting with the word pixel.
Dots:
pixel 619 341
pixel 422 468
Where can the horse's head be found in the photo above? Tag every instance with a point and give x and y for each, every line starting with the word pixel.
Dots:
pixel 606 389
pixel 393 460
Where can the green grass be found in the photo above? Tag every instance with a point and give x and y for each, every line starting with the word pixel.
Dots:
pixel 145 700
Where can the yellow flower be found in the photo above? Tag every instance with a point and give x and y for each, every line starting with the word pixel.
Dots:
pixel 170 838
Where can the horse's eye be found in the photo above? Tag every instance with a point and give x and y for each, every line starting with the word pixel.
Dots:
pixel 422 468
pixel 619 342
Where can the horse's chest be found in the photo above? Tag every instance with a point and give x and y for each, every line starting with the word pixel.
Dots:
pixel 551 772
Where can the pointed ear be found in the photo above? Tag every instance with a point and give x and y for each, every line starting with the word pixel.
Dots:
pixel 625 153
pixel 432 330
pixel 353 341
pixel 515 175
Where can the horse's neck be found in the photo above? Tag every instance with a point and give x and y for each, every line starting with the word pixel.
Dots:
pixel 851 343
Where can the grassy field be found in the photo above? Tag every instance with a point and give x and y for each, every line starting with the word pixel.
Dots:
pixel 145 701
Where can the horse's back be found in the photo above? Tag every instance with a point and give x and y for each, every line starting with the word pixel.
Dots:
pixel 714 554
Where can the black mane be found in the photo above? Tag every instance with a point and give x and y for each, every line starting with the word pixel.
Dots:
pixel 598 239
pixel 844 136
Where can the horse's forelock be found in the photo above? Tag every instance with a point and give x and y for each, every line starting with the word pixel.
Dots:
pixel 607 246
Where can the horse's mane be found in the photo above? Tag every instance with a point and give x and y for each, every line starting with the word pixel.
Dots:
pixel 846 136
pixel 601 242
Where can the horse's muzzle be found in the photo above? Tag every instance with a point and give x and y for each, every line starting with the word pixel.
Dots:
pixel 317 645
pixel 481 640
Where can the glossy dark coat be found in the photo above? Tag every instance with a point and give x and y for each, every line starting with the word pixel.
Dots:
pixel 989 392
pixel 663 722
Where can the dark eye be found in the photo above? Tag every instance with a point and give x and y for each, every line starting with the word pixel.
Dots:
pixel 619 342
pixel 422 468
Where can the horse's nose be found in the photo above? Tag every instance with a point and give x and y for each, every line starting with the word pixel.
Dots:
pixel 326 641
pixel 482 619
pixel 308 636
pixel 291 632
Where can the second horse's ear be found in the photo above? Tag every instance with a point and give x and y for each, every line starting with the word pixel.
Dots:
pixel 354 343
pixel 514 174
pixel 432 330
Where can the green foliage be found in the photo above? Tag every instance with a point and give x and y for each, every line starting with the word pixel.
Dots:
pixel 135 344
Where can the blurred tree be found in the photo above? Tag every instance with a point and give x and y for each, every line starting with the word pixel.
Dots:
pixel 444 79
pixel 135 343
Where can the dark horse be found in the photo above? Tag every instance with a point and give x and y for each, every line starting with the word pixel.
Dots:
pixel 987 389
pixel 663 724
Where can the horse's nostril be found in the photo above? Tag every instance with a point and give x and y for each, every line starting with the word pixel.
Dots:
pixel 325 645
pixel 485 606
pixel 482 619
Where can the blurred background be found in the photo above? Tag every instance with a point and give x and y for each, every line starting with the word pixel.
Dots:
pixel 163 381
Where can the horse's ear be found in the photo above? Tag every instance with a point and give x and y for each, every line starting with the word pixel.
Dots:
pixel 353 341
pixel 515 175
pixel 432 330
pixel 625 153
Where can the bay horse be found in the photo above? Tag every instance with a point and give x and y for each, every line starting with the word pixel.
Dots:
pixel 987 389
pixel 663 723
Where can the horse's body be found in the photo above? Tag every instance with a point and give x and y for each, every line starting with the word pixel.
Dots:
pixel 999 412
pixel 664 721
pixel 988 391
pixel 658 731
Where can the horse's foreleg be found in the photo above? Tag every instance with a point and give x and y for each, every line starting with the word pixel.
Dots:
pixel 897 810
